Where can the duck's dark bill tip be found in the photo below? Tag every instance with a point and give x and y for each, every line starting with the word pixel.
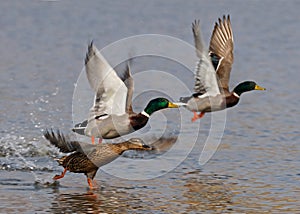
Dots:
pixel 146 146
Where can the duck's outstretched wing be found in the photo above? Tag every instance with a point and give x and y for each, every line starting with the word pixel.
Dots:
pixel 110 90
pixel 128 80
pixel 205 78
pixel 221 51
pixel 65 145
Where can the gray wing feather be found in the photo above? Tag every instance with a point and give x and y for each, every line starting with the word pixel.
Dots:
pixel 128 80
pixel 110 90
pixel 205 78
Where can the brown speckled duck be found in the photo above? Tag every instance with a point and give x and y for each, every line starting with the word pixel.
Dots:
pixel 213 72
pixel 87 158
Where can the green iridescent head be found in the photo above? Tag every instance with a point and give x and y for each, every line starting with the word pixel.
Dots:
pixel 158 104
pixel 246 86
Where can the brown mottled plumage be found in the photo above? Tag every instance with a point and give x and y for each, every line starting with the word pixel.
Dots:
pixel 88 158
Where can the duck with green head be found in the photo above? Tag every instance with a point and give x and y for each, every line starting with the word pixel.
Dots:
pixel 213 72
pixel 111 115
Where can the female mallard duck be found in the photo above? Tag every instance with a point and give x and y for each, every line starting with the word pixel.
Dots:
pixel 111 115
pixel 213 72
pixel 88 158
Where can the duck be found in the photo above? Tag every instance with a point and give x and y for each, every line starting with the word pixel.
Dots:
pixel 211 90
pixel 111 115
pixel 87 158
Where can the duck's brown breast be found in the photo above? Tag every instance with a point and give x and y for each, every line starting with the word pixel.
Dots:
pixel 138 121
pixel 231 100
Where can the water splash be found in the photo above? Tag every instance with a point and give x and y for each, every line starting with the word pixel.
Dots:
pixel 19 154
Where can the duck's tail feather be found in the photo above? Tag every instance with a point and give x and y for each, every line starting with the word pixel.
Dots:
pixel 60 160
pixel 185 99
pixel 80 127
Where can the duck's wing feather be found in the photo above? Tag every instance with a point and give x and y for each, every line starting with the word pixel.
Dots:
pixel 205 78
pixel 65 145
pixel 128 80
pixel 111 92
pixel 221 50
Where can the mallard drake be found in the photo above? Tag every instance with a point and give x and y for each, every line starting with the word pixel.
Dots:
pixel 213 72
pixel 87 158
pixel 111 115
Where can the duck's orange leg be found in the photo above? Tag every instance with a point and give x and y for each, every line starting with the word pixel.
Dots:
pixel 90 183
pixel 93 139
pixel 197 116
pixel 56 177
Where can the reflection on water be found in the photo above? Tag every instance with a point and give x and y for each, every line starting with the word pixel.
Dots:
pixel 192 193
pixel 76 203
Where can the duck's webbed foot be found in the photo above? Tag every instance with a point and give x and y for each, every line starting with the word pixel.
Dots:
pixel 56 177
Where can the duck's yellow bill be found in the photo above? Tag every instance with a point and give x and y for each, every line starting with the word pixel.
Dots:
pixel 257 87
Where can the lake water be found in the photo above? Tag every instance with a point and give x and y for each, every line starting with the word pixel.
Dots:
pixel 256 166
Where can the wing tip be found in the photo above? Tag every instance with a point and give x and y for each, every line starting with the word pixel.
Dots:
pixel 196 23
pixel 224 21
pixel 222 33
pixel 53 137
pixel 90 52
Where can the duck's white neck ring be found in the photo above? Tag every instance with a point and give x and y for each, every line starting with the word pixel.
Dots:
pixel 145 113
pixel 236 95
